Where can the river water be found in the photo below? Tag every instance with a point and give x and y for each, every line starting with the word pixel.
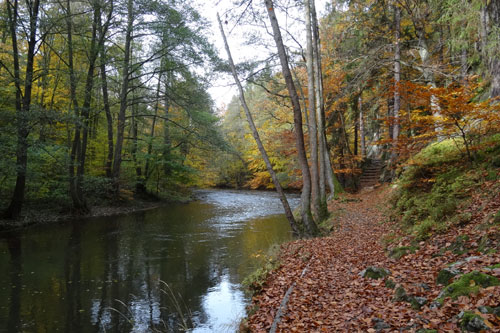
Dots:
pixel 167 269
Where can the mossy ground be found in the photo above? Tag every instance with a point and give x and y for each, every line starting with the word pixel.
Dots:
pixel 468 284
pixel 437 183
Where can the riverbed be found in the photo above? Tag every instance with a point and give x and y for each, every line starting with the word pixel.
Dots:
pixel 174 268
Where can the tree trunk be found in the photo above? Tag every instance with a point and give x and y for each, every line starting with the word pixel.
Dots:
pixel 255 133
pixel 397 80
pixel 105 94
pixel 362 139
pixel 307 219
pixel 117 159
pixel 313 131
pixel 147 168
pixel 326 174
pixel 23 102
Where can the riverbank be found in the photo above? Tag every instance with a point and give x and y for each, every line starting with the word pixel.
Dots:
pixel 370 276
pixel 49 215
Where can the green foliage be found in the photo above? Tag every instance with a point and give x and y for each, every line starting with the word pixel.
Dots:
pixel 436 184
pixel 401 251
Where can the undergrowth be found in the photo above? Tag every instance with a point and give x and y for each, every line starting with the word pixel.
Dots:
pixel 437 183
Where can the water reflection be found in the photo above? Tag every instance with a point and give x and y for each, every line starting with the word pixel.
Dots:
pixel 153 270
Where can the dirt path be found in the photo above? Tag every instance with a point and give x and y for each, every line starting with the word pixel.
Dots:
pixel 332 296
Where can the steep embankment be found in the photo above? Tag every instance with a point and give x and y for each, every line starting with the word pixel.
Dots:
pixel 443 269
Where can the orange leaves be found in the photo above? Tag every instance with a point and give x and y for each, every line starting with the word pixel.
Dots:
pixel 332 297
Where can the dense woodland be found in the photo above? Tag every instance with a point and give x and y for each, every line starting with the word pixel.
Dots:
pixel 106 99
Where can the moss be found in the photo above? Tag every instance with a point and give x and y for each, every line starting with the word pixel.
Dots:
pixel 446 275
pixel 436 184
pixel 375 273
pixel 425 330
pixel 496 219
pixel 472 322
pixel 494 266
pixel 400 295
pixel 401 251
pixel 459 246
pixel 468 284
pixel 389 283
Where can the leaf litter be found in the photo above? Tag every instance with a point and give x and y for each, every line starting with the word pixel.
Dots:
pixel 332 296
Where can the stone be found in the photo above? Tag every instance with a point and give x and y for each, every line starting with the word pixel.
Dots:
pixel 418 302
pixel 400 295
pixel 379 324
pixel 375 273
pixel 471 322
pixel 446 275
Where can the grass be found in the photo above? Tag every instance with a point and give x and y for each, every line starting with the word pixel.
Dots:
pixel 254 282
pixel 437 183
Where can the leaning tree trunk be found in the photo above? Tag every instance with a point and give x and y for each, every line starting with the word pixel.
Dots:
pixel 255 133
pixel 307 218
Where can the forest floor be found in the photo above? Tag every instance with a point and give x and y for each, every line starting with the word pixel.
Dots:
pixel 327 292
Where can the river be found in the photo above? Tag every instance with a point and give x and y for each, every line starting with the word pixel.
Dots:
pixel 175 267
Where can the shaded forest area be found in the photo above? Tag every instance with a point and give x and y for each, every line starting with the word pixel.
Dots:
pixel 106 99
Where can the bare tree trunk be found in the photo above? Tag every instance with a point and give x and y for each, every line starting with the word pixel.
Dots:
pixel 307 219
pixel 325 167
pixel 255 133
pixel 23 102
pixel 89 84
pixel 397 79
pixel 104 87
pixel 117 159
pixel 313 131
pixel 494 61
pixel 147 168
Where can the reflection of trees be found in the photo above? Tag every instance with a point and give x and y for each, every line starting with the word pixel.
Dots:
pixel 94 263
pixel 14 244
pixel 72 274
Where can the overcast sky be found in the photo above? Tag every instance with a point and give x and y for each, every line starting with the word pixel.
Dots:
pixel 223 89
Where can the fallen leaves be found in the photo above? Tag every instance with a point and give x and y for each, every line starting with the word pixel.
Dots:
pixel 332 297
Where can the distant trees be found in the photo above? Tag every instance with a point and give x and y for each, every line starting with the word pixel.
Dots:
pixel 100 94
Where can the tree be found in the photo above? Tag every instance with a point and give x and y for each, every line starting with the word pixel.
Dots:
pixel 307 219
pixel 23 96
pixel 255 133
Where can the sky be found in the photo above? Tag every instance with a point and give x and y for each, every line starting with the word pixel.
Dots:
pixel 223 88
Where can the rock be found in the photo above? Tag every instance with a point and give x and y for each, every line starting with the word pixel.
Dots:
pixel 418 302
pixel 424 286
pixel 485 309
pixel 468 284
pixel 446 274
pixel 389 283
pixel 435 305
pixel 473 258
pixel 400 295
pixel 471 322
pixel 379 324
pixel 375 273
